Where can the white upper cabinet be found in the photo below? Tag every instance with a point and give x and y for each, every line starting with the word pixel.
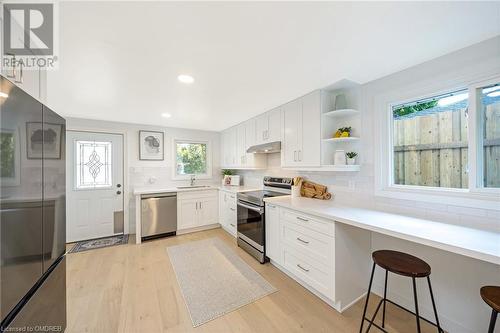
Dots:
pixel 268 126
pixel 310 133
pixel 262 123
pixel 274 127
pixel 235 142
pixel 296 124
pixel 229 147
pixel 290 145
pixel 301 145
pixel 241 150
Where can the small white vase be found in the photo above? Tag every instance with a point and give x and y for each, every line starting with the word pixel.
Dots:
pixel 351 161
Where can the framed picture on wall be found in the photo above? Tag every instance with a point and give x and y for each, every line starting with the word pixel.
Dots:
pixel 151 146
pixel 45 140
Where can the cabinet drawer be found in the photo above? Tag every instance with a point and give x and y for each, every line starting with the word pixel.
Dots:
pixel 193 195
pixel 318 276
pixel 231 226
pixel 231 200
pixel 309 242
pixel 314 223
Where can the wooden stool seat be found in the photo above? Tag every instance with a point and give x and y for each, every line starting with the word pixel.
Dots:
pixel 401 263
pixel 491 295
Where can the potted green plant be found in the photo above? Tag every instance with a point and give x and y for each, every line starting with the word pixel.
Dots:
pixel 351 157
pixel 226 176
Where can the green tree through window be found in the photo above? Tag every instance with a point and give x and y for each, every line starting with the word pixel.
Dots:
pixel 191 158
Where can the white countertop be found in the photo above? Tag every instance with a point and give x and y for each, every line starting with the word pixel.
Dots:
pixel 152 189
pixel 238 189
pixel 474 243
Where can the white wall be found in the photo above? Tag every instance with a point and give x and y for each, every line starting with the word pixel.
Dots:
pixel 140 173
pixel 456 279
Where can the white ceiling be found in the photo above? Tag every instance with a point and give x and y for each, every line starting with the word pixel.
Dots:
pixel 120 60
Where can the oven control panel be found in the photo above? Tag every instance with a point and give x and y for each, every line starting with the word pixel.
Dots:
pixel 278 181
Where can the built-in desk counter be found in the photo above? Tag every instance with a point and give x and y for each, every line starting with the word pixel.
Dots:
pixel 470 242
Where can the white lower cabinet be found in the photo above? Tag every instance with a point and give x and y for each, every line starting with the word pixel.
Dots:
pixel 330 259
pixel 196 209
pixel 272 227
pixel 227 211
pixel 308 250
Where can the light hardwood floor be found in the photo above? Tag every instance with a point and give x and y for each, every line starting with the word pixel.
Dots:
pixel 132 288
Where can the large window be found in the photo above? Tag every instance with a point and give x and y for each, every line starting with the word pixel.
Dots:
pixel 192 158
pixel 430 145
pixel 489 113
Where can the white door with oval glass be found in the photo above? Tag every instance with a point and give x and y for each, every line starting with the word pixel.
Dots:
pixel 94 174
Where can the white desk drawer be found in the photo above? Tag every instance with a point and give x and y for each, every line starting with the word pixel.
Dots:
pixel 318 276
pixel 309 242
pixel 314 223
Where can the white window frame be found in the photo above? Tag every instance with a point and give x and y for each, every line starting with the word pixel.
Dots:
pixel 207 175
pixel 476 195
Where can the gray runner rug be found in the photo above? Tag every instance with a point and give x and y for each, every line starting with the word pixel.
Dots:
pixel 214 280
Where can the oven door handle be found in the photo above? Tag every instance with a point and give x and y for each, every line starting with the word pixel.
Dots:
pixel 255 209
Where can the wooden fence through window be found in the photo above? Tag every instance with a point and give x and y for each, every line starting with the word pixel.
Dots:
pixel 431 150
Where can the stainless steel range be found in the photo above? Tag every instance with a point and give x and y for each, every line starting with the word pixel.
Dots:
pixel 251 215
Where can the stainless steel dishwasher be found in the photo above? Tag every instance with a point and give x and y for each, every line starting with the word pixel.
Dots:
pixel 158 215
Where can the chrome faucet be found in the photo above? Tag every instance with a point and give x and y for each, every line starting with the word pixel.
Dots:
pixel 193 179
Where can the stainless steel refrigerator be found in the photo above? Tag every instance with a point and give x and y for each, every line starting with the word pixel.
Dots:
pixel 32 214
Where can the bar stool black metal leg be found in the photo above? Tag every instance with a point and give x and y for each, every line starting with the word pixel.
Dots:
pixel 434 305
pixel 367 297
pixel 492 321
pixel 416 304
pixel 385 298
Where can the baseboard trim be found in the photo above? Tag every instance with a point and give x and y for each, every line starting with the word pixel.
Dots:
pixel 196 229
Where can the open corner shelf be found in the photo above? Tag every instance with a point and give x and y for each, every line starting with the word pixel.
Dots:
pixel 341 113
pixel 344 168
pixel 347 139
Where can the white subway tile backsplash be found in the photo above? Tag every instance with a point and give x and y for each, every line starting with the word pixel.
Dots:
pixel 466 210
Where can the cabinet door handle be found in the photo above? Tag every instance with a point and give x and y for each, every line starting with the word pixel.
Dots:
pixel 302 219
pixel 232 225
pixel 233 209
pixel 20 74
pixel 12 74
pixel 196 206
pixel 298 155
pixel 301 240
pixel 271 206
pixel 200 206
pixel 302 268
pixel 295 156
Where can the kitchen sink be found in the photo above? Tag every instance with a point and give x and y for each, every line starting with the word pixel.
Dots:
pixel 194 186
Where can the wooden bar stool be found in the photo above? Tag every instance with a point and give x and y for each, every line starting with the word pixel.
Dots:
pixel 402 264
pixel 491 295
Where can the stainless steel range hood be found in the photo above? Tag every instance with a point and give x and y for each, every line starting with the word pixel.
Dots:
pixel 266 148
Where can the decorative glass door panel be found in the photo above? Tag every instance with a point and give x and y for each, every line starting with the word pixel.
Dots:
pixel 93 165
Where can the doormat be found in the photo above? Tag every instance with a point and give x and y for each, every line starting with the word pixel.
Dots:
pixel 99 243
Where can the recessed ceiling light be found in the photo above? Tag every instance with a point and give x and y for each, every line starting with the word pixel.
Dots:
pixel 166 115
pixel 4 95
pixel 187 79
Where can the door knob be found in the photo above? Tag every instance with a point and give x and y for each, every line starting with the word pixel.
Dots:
pixel 118 192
